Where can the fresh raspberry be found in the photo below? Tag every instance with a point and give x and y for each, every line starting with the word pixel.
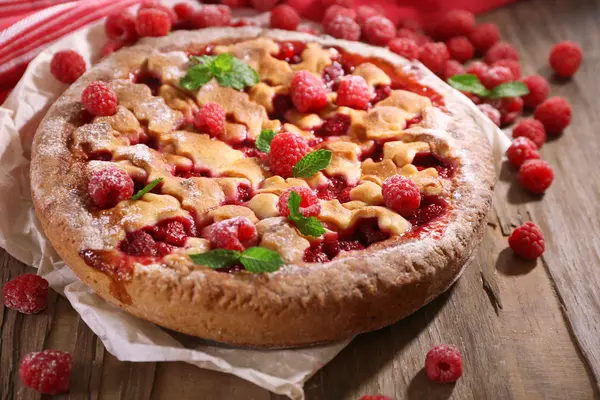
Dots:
pixel 510 108
pixel 139 244
pixel 532 129
pixel 121 25
pixel 236 3
pixel 496 76
pixel 536 176
pixel 336 10
pixel 401 194
pixel 155 5
pixel 111 46
pixel 422 39
pixel 67 66
pixel 554 113
pixel 210 118
pixel 237 233
pixel 411 24
pixel 212 15
pixel 184 11
pixel 490 112
pixel 335 126
pixel 478 69
pixel 408 34
pixel 332 75
pixel 538 90
pixel 152 22
pixel 26 293
pixel 455 23
pixel 444 363
pixel 405 48
pixel 434 57
pixel 308 93
pixel 286 150
pixel 512 65
pixel 382 92
pixel 342 27
pixel 460 48
pixel 99 99
pixel 171 232
pixel 527 241
pixel 263 5
pixel 353 92
pixel 47 371
pixel 309 205
pixel 565 58
pixel 379 30
pixel 363 13
pixel 284 17
pixel 375 398
pixel 108 186
pixel 521 150
pixel 484 36
pixel 343 3
pixel 451 68
pixel 501 51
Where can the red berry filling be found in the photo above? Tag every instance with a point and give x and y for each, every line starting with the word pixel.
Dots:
pixel 243 194
pixel 27 293
pixel 382 92
pixel 281 104
pixel 336 188
pixel 290 52
pixel 237 233
pixel 335 126
pixel 431 208
pixel 332 75
pixel 426 160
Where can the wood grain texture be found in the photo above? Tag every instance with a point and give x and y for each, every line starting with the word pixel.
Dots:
pixel 526 329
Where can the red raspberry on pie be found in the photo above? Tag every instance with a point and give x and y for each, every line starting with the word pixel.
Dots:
pixel 512 65
pixel 407 34
pixel 536 176
pixel 152 22
pixel 490 112
pixel 284 17
pixel 521 150
pixel 286 150
pixel 538 90
pixel 451 68
pixel 554 113
pixel 565 58
pixel 455 23
pixel 363 13
pixel 210 118
pixel 263 5
pixel 379 30
pixel 309 205
pixel 185 11
pixel 155 5
pixel 237 233
pixel 479 69
pixel 496 76
pixel 212 15
pixel 308 93
pixel 532 129
pixel 121 25
pixel 405 48
pixel 99 99
pixel 336 10
pixel 109 185
pixel 343 27
pixel 67 66
pixel 501 51
pixel 527 241
pixel 484 36
pixel 27 293
pixel 171 232
pixel 353 92
pixel 47 371
pixel 460 48
pixel 139 244
pixel 434 56
pixel 444 363
pixel 401 194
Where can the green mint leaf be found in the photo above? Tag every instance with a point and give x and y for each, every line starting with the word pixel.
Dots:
pixel 509 89
pixel 263 141
pixel 218 258
pixel 294 205
pixel 312 163
pixel 146 189
pixel 307 226
pixel 238 76
pixel 468 83
pixel 259 259
pixel 196 77
pixel 228 70
pixel 222 63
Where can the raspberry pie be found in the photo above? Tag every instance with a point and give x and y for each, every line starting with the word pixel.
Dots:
pixel 263 188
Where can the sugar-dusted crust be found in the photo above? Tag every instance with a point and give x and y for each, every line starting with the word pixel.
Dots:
pixel 296 305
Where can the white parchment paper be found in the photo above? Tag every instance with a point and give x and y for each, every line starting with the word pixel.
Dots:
pixel 126 337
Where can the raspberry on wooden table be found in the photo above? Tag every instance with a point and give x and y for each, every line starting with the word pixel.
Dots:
pixel 47 371
pixel 237 233
pixel 484 36
pixel 496 76
pixel 527 241
pixel 27 293
pixel 263 5
pixel 408 34
pixel 284 17
pixel 501 51
pixel 309 204
pixel 139 244
pixel 479 69
pixel 401 194
pixel 451 68
pixel 434 56
pixel 67 66
pixel 536 176
pixel 152 22
pixel 491 113
pixel 554 113
pixel 121 25
pixel 308 93
pixel 444 363
pixel 512 65
pixel 286 150
pixel 460 48
pixel 99 99
pixel 405 48
pixel 565 58
pixel 538 90
pixel 363 13
pixel 336 10
pixel 109 185
pixel 379 30
pixel 342 27
pixel 210 118
pixel 353 91
pixel 455 23
pixel 521 150
pixel 532 129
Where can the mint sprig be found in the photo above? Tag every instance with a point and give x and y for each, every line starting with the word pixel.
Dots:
pixel 308 226
pixel 254 259
pixel 146 189
pixel 470 83
pixel 228 70
pixel 263 141
pixel 312 163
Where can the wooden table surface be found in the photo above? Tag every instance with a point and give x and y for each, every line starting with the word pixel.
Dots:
pixel 528 330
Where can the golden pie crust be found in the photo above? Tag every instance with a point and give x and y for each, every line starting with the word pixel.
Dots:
pixel 302 303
